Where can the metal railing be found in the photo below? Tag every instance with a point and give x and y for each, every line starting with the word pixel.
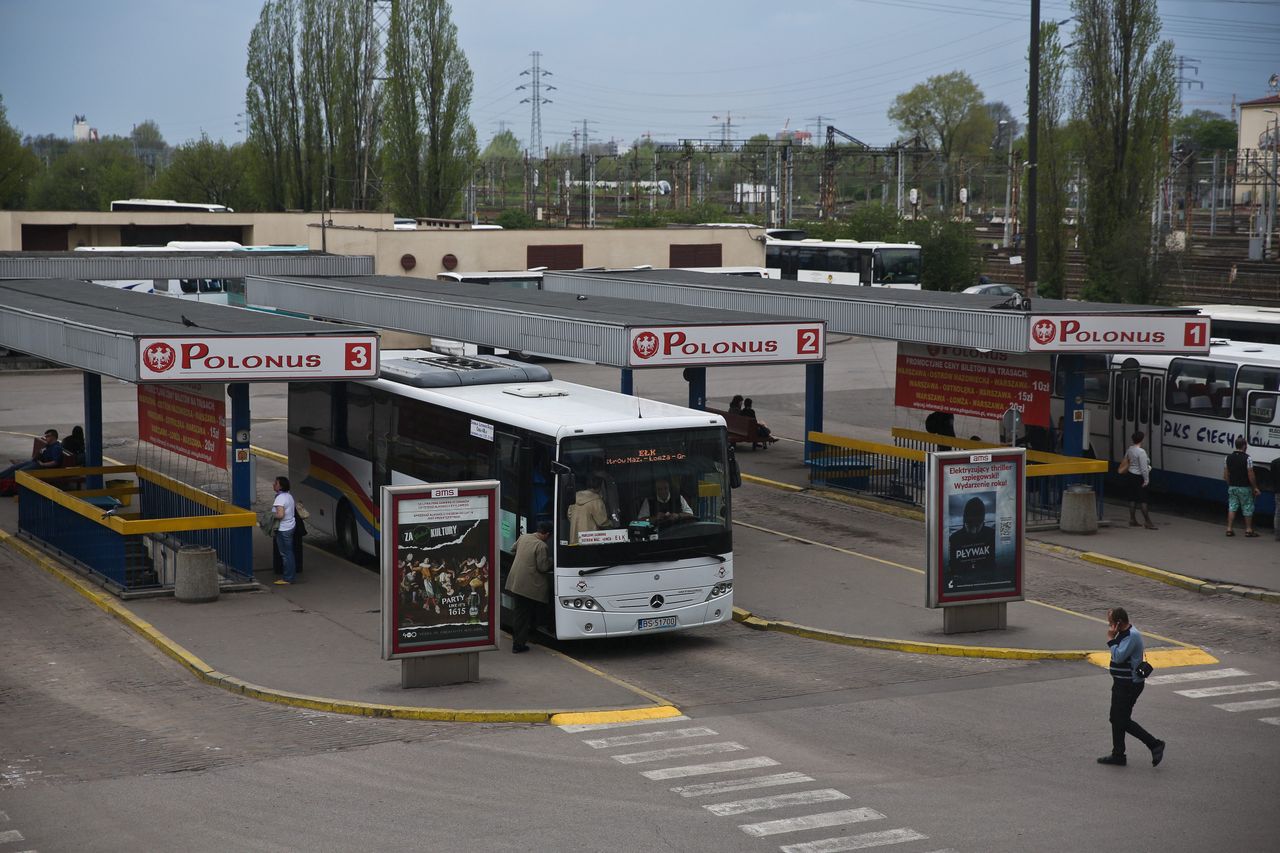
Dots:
pixel 897 471
pixel 129 546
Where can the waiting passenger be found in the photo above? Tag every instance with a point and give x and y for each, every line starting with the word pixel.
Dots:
pixel 46 453
pixel 761 438
pixel 588 511
pixel 735 405
pixel 74 444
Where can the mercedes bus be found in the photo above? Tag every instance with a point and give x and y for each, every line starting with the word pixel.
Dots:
pixel 620 569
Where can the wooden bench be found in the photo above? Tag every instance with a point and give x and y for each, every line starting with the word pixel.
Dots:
pixel 743 429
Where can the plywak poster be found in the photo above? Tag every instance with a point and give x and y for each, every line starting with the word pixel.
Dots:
pixel 442 578
pixel 977 526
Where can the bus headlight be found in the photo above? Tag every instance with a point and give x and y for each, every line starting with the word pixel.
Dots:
pixel 722 588
pixel 583 602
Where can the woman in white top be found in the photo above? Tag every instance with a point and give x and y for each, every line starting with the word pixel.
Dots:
pixel 285 509
pixel 1139 479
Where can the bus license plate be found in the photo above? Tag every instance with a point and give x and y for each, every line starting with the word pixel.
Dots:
pixel 659 622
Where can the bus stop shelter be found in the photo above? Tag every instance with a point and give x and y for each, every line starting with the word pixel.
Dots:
pixel 158 342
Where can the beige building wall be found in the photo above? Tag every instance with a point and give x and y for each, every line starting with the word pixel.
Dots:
pixel 1254 161
pixel 98 228
pixel 491 251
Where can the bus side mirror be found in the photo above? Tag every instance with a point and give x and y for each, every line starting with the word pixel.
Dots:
pixel 735 473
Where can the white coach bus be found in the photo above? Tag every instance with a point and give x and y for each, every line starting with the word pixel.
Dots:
pixel 432 417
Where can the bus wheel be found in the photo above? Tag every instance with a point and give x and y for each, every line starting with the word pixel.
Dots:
pixel 348 537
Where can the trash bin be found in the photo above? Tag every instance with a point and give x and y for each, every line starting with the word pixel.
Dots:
pixel 1079 510
pixel 196 574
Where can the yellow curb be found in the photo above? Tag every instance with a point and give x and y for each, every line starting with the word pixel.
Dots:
pixel 211 676
pixel 594 717
pixel 1171 578
pixel 269 454
pixel 777 484
pixel 1162 658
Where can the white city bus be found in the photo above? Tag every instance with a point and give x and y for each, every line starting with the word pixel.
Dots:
pixel 1256 323
pixel 432 417
pixel 870 264
pixel 1191 409
pixel 167 205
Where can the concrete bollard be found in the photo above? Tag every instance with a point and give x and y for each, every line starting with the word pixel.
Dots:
pixel 1079 510
pixel 196 574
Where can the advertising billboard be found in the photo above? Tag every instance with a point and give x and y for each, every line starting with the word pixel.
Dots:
pixel 191 420
pixel 759 343
pixel 983 384
pixel 246 359
pixel 440 570
pixel 976 522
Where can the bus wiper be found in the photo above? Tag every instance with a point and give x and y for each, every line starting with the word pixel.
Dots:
pixel 649 556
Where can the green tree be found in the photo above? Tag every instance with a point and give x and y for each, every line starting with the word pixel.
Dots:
pixel 207 171
pixel 1206 131
pixel 948 114
pixel 951 259
pixel 1127 95
pixel 18 164
pixel 149 146
pixel 503 146
pixel 1054 163
pixel 89 176
pixel 431 144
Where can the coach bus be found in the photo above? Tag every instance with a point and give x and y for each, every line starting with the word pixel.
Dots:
pixel 871 264
pixel 1191 408
pixel 1254 323
pixel 431 417
pixel 166 205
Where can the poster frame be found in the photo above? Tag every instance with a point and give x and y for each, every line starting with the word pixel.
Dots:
pixel 390 498
pixel 936 501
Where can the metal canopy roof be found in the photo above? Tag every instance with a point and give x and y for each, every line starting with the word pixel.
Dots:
pixel 920 316
pixel 556 325
pixel 111 266
pixel 95 328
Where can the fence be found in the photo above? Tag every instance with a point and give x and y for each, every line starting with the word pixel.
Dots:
pixel 130 547
pixel 897 471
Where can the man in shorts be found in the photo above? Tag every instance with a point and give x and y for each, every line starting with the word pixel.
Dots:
pixel 1242 488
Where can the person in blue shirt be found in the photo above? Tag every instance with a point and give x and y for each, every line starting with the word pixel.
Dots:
pixel 50 456
pixel 1126 686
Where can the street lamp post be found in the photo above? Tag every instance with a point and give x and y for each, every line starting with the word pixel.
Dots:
pixel 1008 180
pixel 1275 179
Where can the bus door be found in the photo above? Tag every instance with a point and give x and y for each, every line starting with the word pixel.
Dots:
pixel 513 520
pixel 1262 430
pixel 1137 405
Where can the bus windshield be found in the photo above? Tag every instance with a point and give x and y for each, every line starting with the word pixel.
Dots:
pixel 897 266
pixel 643 496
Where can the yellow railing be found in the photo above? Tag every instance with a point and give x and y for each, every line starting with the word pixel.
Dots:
pixel 1042 464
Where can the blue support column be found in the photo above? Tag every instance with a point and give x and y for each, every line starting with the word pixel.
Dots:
pixel 241 477
pixel 628 381
pixel 813 374
pixel 697 379
pixel 1073 437
pixel 93 427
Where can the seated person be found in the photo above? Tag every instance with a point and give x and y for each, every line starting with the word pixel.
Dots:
pixel 49 455
pixel 762 429
pixel 735 405
pixel 665 507
pixel 74 444
pixel 588 511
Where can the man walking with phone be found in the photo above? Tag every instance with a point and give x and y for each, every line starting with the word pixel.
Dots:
pixel 1127 682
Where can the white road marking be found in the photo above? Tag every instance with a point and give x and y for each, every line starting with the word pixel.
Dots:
pixel 1201 675
pixel 729 785
pixel 648 737
pixel 858 842
pixel 1228 689
pixel 677 752
pixel 1275 721
pixel 1255 705
pixel 778 801
pixel 712 767
pixel 813 821
pixel 10 835
pixel 594 727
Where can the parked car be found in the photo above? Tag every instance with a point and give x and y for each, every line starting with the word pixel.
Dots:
pixel 992 289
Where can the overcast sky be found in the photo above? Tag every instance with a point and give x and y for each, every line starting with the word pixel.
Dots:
pixel 671 69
